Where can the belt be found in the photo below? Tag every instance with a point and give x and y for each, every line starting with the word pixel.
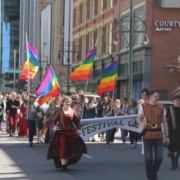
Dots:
pixel 158 129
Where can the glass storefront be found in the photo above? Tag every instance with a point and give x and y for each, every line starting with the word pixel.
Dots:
pixel 9 43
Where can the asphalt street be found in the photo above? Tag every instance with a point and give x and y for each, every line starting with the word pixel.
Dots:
pixel 18 161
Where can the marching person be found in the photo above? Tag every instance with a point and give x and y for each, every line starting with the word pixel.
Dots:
pixel 91 111
pixel 144 96
pixel 151 116
pixel 31 116
pixel 12 107
pixel 124 107
pixel 47 120
pixel 173 117
pixel 119 112
pixel 133 109
pixel 23 129
pixel 1 111
pixel 66 146
pixel 107 112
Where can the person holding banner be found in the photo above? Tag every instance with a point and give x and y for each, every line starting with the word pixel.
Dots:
pixel 100 108
pixel 119 112
pixel 133 109
pixel 124 106
pixel 91 110
pixel 109 133
pixel 152 116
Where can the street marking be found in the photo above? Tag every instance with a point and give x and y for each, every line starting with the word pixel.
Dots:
pixel 88 156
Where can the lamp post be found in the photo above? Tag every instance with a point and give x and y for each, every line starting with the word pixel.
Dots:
pixel 130 30
pixel 130 82
pixel 68 54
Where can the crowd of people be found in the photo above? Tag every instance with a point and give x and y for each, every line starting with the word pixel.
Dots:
pixel 57 122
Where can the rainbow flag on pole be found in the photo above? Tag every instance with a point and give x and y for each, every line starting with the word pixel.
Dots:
pixel 109 79
pixel 31 66
pixel 49 87
pixel 83 71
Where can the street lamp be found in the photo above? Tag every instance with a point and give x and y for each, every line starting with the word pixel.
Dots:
pixel 124 29
pixel 68 58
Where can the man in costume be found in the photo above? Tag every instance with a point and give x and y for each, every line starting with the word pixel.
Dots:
pixel 151 116
pixel 173 117
pixel 66 146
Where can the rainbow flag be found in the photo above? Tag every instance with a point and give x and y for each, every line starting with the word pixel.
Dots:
pixel 31 66
pixel 83 71
pixel 49 87
pixel 109 79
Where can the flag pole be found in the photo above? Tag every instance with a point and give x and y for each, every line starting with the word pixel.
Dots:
pixel 88 79
pixel 88 82
pixel 28 81
pixel 86 85
pixel 112 100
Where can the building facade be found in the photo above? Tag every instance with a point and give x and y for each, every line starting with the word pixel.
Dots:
pixel 43 21
pixel 147 34
pixel 47 26
pixel 9 44
pixel 28 30
pixel 93 26
pixel 55 39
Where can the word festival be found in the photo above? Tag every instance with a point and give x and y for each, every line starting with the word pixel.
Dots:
pixel 90 127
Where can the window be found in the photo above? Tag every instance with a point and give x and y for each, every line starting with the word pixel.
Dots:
pixel 125 32
pixel 115 2
pixel 99 43
pixel 108 37
pixel 100 6
pixel 137 67
pixel 123 89
pixel 123 69
pixel 139 26
pixel 91 9
pixel 84 47
pixel 91 40
pixel 77 16
pixel 109 3
pixel 84 10
pixel 169 4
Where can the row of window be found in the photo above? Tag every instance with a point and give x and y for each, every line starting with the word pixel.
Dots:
pixel 95 8
pixel 105 35
pixel 123 69
pixel 103 41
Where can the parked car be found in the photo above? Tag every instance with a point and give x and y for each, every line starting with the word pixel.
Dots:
pixel 166 103
pixel 89 95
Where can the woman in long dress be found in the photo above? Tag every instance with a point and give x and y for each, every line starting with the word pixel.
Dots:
pixel 91 111
pixel 66 146
pixel 23 129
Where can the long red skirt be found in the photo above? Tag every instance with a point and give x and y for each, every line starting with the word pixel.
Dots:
pixel 72 151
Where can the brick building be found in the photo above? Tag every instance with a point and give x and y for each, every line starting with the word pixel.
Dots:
pixel 133 25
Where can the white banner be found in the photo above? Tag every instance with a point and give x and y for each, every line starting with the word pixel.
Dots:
pixel 90 127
